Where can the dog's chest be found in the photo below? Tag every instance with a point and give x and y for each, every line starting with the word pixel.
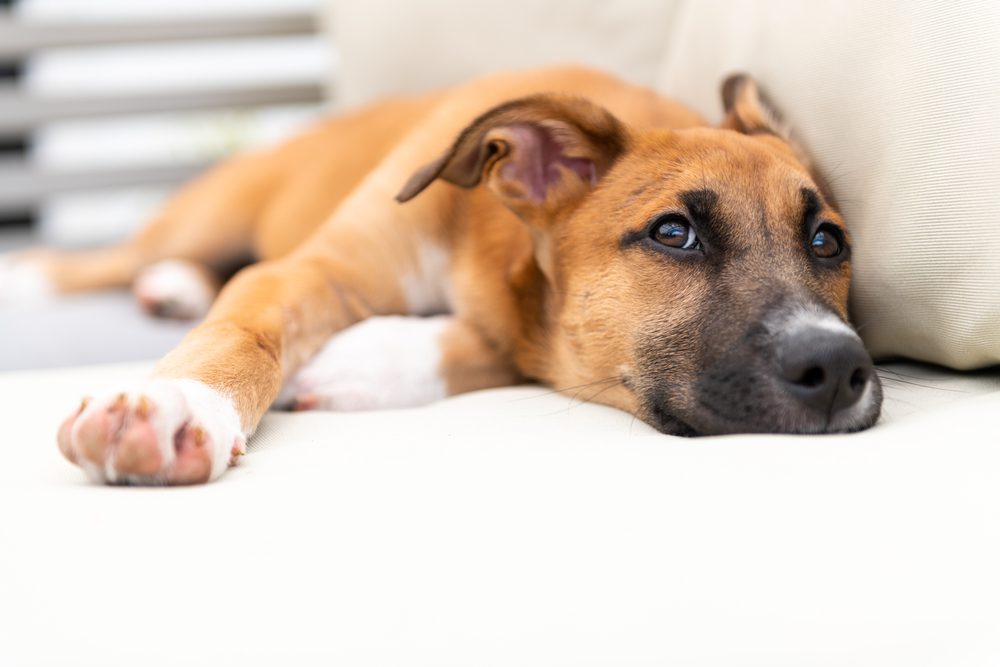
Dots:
pixel 427 288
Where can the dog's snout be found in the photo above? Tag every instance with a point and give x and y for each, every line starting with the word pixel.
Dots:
pixel 826 370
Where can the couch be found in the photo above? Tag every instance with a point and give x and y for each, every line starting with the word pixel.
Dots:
pixel 523 527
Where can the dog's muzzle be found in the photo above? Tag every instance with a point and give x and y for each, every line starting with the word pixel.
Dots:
pixel 802 370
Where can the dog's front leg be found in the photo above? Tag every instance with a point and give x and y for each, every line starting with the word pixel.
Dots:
pixel 188 422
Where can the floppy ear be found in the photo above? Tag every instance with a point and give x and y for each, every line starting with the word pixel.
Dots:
pixel 538 154
pixel 750 112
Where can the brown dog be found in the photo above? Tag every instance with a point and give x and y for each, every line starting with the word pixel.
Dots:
pixel 578 230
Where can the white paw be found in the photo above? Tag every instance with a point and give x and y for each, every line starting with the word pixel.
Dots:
pixel 23 281
pixel 175 288
pixel 158 432
pixel 382 362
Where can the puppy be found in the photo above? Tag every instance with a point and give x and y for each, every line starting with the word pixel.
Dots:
pixel 576 230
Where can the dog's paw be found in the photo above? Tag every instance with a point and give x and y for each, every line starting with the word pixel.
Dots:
pixel 23 280
pixel 161 432
pixel 383 362
pixel 175 289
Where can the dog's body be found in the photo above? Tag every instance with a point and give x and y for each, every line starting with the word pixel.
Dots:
pixel 695 277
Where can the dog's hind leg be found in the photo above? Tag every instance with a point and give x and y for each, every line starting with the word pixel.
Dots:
pixel 176 289
pixel 397 362
pixel 208 224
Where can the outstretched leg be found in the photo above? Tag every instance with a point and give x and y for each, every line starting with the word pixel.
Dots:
pixel 210 393
pixel 373 257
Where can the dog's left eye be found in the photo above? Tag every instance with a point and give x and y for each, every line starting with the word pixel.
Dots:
pixel 674 231
pixel 827 242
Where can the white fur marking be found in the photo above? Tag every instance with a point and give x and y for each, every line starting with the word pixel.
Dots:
pixel 383 362
pixel 803 318
pixel 857 414
pixel 174 403
pixel 23 281
pixel 426 289
pixel 180 287
pixel 216 413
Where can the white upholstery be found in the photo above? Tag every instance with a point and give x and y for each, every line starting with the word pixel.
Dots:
pixel 513 527
pixel 518 527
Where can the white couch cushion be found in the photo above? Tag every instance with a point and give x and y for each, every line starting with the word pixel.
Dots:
pixel 513 527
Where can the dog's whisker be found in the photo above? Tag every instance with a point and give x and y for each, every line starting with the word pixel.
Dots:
pixel 563 390
pixel 897 399
pixel 901 373
pixel 608 383
pixel 900 380
pixel 632 423
pixel 591 398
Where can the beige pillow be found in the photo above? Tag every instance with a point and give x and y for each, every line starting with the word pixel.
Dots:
pixel 899 103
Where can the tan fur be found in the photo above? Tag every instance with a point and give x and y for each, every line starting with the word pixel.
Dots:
pixel 521 274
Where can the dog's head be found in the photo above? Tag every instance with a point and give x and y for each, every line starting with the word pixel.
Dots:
pixel 697 277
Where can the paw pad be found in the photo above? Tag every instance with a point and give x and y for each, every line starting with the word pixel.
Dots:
pixel 168 432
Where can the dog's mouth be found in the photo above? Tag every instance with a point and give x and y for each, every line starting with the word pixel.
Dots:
pixel 772 408
pixel 665 422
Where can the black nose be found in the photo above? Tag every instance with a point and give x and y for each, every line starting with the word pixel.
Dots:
pixel 826 369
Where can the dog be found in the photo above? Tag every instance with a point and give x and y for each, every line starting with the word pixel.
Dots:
pixel 558 226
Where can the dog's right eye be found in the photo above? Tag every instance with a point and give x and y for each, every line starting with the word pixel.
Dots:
pixel 674 231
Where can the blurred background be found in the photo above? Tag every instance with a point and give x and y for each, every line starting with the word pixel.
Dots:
pixel 107 105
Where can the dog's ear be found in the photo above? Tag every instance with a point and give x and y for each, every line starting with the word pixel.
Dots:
pixel 749 111
pixel 537 154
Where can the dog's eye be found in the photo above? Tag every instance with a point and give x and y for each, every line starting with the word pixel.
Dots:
pixel 827 242
pixel 674 231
